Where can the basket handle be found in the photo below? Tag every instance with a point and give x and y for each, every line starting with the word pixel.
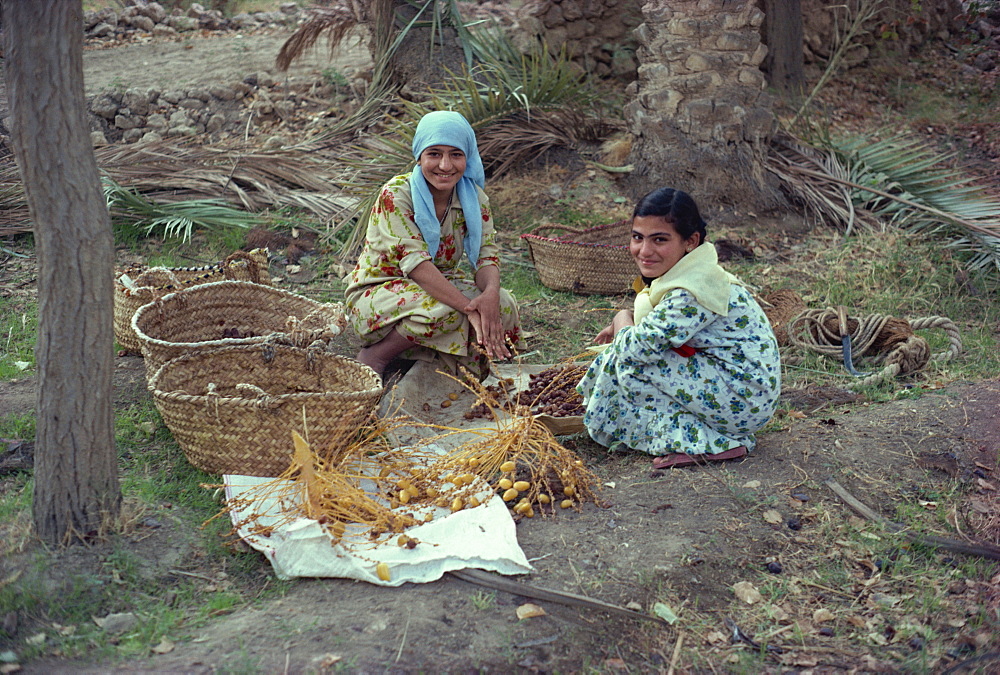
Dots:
pixel 567 228
pixel 261 397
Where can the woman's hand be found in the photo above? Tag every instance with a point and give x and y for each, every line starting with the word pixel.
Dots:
pixel 605 336
pixel 608 333
pixel 484 315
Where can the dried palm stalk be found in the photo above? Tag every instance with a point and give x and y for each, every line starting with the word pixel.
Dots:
pixel 796 164
pixel 520 458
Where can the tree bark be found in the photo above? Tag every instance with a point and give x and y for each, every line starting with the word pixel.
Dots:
pixel 785 63
pixel 698 113
pixel 76 493
pixel 418 65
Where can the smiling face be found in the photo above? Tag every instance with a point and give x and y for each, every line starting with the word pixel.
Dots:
pixel 656 246
pixel 442 166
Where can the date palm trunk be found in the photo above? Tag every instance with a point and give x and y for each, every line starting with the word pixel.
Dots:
pixel 76 493
pixel 699 112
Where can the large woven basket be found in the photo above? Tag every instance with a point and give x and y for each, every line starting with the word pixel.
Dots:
pixel 592 261
pixel 233 409
pixel 225 313
pixel 150 284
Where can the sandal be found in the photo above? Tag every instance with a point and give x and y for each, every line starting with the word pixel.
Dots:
pixel 679 459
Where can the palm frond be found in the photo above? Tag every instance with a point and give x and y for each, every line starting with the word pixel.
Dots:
pixel 796 163
pixel 335 22
pixel 902 182
pixel 176 219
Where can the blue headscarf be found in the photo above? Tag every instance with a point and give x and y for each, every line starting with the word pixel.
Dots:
pixel 445 127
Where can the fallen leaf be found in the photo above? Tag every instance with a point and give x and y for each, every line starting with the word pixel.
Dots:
pixel 794 659
pixel 979 506
pixel 22 365
pixel 529 610
pixel 165 647
pixel 823 615
pixel 716 638
pixel 857 621
pixel 664 612
pixel 878 639
pixel 779 614
pixel 36 639
pixel 752 484
pixel 986 485
pixel 747 592
pixel 772 516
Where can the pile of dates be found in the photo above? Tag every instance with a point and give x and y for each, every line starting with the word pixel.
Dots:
pixel 550 392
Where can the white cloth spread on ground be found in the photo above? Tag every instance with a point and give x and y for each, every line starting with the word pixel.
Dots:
pixel 483 538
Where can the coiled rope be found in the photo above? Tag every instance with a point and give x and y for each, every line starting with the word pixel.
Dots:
pixel 886 339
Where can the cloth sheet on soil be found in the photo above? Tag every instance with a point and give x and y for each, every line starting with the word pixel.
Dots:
pixel 483 538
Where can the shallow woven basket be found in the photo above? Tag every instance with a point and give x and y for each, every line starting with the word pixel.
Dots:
pixel 201 317
pixel 155 282
pixel 233 409
pixel 592 261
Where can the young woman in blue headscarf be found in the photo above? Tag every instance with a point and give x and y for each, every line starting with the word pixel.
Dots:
pixel 408 295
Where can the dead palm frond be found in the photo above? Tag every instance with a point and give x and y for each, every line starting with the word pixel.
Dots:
pixel 896 181
pixel 796 163
pixel 903 181
pixel 303 177
pixel 336 23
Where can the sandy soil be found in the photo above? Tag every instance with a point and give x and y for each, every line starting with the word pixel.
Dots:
pixel 204 59
pixel 690 534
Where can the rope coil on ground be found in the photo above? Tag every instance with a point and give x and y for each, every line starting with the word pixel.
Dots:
pixel 885 339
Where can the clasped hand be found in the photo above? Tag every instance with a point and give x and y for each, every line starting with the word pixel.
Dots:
pixel 484 315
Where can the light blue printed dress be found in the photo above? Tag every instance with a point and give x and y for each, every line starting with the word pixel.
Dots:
pixel 640 393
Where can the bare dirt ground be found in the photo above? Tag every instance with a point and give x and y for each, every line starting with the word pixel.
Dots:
pixel 688 535
pixel 208 59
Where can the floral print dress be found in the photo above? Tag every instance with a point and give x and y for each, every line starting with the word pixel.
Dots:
pixel 643 395
pixel 380 295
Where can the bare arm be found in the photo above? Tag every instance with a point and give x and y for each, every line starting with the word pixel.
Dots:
pixel 622 319
pixel 483 311
pixel 429 278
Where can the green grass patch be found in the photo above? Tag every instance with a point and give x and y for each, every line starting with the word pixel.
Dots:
pixel 18 331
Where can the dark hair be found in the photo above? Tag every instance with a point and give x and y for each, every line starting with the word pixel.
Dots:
pixel 677 208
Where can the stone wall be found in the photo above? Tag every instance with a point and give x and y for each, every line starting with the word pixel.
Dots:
pixel 599 33
pixel 596 33
pixel 258 107
pixel 139 16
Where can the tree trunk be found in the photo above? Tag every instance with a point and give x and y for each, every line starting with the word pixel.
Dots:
pixel 699 114
pixel 76 481
pixel 419 63
pixel 784 64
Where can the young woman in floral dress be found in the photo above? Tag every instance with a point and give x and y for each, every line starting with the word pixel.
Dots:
pixel 408 296
pixel 692 372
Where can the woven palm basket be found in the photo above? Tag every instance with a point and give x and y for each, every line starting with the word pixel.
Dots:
pixel 233 409
pixel 592 261
pixel 224 313
pixel 145 286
